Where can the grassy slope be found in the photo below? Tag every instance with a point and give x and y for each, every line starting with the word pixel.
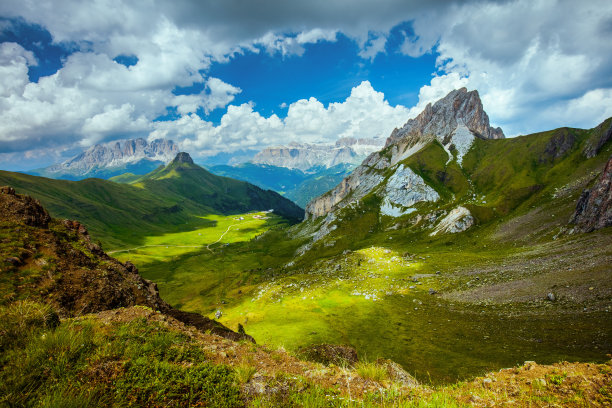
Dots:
pixel 136 357
pixel 170 199
pixel 321 296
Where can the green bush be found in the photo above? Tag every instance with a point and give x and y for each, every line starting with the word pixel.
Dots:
pixel 371 371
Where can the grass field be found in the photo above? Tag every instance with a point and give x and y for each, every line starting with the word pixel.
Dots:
pixel 376 298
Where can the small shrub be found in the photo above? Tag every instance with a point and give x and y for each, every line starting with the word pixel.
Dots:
pixel 372 371
pixel 556 379
pixel 161 384
pixel 20 319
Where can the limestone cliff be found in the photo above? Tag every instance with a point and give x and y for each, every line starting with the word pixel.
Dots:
pixel 454 121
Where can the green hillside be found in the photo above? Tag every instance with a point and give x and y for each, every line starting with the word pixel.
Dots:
pixel 447 306
pixel 169 199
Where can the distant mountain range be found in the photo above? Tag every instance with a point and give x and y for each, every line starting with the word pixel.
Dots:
pixel 158 202
pixel 299 171
pixel 312 156
pixel 294 184
pixel 110 159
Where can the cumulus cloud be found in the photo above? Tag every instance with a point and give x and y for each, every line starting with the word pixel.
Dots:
pixel 528 59
pixel 537 64
pixel 364 113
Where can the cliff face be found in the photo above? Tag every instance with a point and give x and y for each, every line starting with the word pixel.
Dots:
pixel 594 207
pixel 454 121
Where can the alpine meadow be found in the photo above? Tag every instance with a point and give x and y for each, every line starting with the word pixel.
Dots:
pixel 288 204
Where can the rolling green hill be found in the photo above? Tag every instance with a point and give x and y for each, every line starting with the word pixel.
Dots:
pixel 169 199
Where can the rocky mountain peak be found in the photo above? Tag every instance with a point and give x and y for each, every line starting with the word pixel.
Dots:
pixel 182 157
pixel 459 108
pixel 454 121
pixel 305 156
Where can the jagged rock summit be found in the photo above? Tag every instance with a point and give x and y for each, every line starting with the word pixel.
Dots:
pixel 454 121
pixel 182 157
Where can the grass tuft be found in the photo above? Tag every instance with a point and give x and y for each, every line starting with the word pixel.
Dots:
pixel 372 371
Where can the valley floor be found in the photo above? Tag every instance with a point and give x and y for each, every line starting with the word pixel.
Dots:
pixel 445 313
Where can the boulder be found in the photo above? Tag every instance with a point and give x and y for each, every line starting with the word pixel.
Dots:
pixel 330 354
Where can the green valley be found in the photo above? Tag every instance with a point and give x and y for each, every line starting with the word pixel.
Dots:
pixel 445 307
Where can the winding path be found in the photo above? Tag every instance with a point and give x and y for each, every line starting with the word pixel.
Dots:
pixel 174 246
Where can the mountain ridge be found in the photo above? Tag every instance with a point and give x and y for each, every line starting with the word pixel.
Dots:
pixel 169 198
pixel 113 158
pixel 305 156
pixel 454 121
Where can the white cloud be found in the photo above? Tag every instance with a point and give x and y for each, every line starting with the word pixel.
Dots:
pixel 528 59
pixel 14 61
pixel 375 45
pixel 537 65
pixel 364 113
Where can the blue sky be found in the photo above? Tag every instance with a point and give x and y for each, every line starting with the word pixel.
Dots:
pixel 233 75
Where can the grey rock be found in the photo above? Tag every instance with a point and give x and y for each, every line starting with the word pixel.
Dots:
pixel 454 120
pixel 304 156
pixel 551 297
pixel 594 207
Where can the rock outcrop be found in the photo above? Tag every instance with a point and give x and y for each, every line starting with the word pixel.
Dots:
pixel 58 263
pixel 594 207
pixel 183 157
pixel 454 121
pixel 603 134
pixel 458 220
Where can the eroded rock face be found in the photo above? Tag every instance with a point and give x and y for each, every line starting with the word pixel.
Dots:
pixel 183 157
pixel 458 220
pixel 599 139
pixel 594 207
pixel 118 153
pixel 22 209
pixel 404 189
pixel 454 121
pixel 441 119
pixel 304 156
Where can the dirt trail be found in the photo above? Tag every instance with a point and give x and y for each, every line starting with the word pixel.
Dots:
pixel 173 246
pixel 220 238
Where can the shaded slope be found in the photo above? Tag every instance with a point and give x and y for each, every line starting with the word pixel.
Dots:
pixel 184 179
pixel 169 199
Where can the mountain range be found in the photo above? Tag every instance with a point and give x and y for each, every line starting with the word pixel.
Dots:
pixel 304 156
pixel 168 198
pixel 111 159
